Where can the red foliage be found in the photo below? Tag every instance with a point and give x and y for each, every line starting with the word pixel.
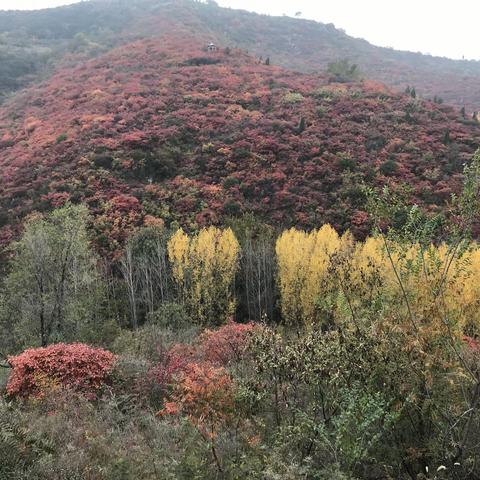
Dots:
pixel 213 349
pixel 218 347
pixel 161 375
pixel 57 199
pixel 125 203
pixel 195 144
pixel 225 345
pixel 473 343
pixel 77 367
pixel 199 385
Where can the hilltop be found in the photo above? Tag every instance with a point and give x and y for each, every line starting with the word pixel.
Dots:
pixel 160 130
pixel 32 44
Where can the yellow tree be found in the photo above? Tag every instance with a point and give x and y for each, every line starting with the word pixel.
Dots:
pixel 470 295
pixel 417 281
pixel 304 261
pixel 204 267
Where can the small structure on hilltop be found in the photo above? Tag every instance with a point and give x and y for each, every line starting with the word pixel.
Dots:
pixel 211 47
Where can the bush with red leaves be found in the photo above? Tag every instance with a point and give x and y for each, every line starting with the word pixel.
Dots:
pixel 205 394
pixel 161 375
pixel 213 349
pixel 77 367
pixel 226 344
pixel 136 146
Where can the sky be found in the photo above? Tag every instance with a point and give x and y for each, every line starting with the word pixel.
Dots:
pixel 439 27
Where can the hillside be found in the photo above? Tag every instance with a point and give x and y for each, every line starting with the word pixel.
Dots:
pixel 220 261
pixel 310 46
pixel 160 129
pixel 32 44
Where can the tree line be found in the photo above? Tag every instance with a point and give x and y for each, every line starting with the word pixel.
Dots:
pixel 57 288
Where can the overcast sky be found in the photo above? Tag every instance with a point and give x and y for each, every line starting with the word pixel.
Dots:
pixel 440 27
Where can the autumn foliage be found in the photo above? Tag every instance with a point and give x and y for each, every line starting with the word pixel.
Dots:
pixel 202 389
pixel 227 344
pixel 161 375
pixel 77 367
pixel 204 394
pixel 204 267
pixel 304 260
pixel 149 136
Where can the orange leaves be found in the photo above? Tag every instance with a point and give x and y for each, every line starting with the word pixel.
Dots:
pixel 202 388
pixel 204 394
pixel 170 408
pixel 77 367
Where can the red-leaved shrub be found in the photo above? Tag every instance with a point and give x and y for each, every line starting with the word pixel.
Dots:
pixel 77 367
pixel 213 351
pixel 205 394
pixel 226 344
pixel 161 375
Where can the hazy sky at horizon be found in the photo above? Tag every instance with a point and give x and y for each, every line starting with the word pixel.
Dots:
pixel 438 27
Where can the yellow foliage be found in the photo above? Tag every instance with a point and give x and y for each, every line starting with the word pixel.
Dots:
pixel 204 268
pixel 323 277
pixel 178 253
pixel 433 289
pixel 303 263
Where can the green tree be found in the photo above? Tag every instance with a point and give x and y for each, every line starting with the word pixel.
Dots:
pixel 343 71
pixel 52 291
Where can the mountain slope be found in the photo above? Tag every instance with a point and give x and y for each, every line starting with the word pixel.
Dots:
pixel 31 43
pixel 310 46
pixel 159 130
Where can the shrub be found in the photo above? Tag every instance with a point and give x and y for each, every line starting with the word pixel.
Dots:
pixel 171 315
pixel 375 142
pixel 225 345
pixel 343 71
pixel 128 375
pixel 292 98
pixel 61 138
pixel 20 448
pixel 232 208
pixel 345 162
pixel 230 182
pixel 199 61
pixel 203 393
pixel 4 374
pixel 206 396
pixel 77 366
pixel 160 377
pixel 151 341
pixel 388 168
